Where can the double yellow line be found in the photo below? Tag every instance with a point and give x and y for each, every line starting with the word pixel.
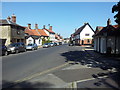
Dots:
pixel 41 73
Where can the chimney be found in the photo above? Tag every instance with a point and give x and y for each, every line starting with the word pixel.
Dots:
pixel 43 26
pixel 13 18
pixel 108 22
pixel 29 26
pixel 50 28
pixel 8 18
pixel 36 26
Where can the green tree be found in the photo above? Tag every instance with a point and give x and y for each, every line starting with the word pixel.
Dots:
pixel 116 8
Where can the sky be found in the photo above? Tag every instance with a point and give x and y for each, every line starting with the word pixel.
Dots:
pixel 65 17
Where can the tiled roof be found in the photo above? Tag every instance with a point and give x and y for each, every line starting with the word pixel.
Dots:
pixel 56 36
pixel 42 32
pixel 111 30
pixel 49 30
pixel 32 32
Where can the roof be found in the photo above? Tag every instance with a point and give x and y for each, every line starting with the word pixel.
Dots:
pixel 32 32
pixel 111 30
pixel 81 28
pixel 36 32
pixel 42 32
pixel 50 31
pixel 56 36
pixel 7 22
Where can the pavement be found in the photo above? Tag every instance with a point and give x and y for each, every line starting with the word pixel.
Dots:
pixel 87 70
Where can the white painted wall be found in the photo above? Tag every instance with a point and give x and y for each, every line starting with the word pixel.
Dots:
pixel 103 45
pixel 38 42
pixel 29 40
pixel 86 30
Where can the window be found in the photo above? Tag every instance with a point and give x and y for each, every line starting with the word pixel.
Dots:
pixel 87 34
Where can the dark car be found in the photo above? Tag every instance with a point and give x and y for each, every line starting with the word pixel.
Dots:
pixel 16 47
pixel 3 50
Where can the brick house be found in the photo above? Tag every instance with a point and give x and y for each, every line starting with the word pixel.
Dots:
pixel 11 31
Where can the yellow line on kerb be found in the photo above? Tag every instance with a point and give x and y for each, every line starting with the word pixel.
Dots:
pixel 41 73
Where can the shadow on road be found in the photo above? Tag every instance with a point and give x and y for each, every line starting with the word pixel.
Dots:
pixel 104 63
pixel 9 85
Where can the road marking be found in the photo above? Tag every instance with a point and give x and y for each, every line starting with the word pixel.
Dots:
pixel 41 73
pixel 90 79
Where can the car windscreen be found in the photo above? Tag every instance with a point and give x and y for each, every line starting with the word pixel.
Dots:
pixel 30 44
pixel 13 45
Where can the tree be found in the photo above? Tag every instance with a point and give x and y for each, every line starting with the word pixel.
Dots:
pixel 116 8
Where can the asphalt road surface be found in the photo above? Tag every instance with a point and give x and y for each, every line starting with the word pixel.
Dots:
pixel 55 67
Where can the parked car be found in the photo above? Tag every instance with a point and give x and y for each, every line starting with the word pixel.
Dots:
pixel 55 44
pixel 31 47
pixel 60 43
pixel 16 47
pixel 51 44
pixel 3 50
pixel 71 44
pixel 46 45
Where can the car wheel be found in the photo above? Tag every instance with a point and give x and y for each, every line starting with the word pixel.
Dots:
pixel 32 49
pixel 16 51
pixel 25 50
pixel 6 53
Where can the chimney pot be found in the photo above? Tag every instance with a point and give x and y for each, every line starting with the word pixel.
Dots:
pixel 8 18
pixel 43 26
pixel 36 26
pixel 13 18
pixel 50 27
pixel 108 22
pixel 29 26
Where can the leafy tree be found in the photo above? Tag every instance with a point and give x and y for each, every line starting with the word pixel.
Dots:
pixel 116 8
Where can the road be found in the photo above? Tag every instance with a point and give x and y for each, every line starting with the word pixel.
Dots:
pixel 51 67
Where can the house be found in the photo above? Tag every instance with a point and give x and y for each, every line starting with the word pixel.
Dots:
pixel 107 40
pixel 11 31
pixel 83 35
pixel 50 33
pixel 32 36
pixel 35 35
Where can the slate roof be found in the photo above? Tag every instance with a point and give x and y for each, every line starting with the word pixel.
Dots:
pixel 7 22
pixel 81 28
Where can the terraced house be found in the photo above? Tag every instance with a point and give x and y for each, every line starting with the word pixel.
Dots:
pixel 11 31
pixel 35 35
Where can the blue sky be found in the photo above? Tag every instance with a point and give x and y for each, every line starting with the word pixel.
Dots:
pixel 63 16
